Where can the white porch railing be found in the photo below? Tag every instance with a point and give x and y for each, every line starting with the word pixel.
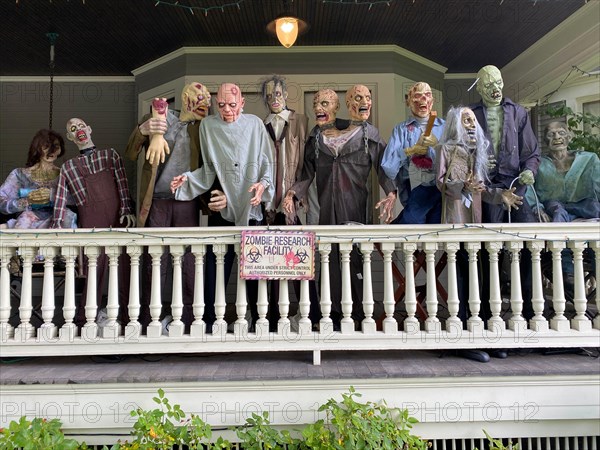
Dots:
pixel 565 326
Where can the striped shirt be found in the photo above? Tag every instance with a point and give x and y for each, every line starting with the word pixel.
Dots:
pixel 71 181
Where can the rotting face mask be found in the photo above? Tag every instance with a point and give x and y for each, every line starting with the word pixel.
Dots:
pixel 420 100
pixel 490 85
pixel 195 102
pixel 230 102
pixel 358 101
pixel 276 97
pixel 557 136
pixel 79 132
pixel 469 121
pixel 325 106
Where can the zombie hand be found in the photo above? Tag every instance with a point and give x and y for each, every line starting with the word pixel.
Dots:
pixel 153 126
pixel 128 220
pixel 288 203
pixel 177 182
pixel 387 206
pixel 526 177
pixel 510 199
pixel 258 189
pixel 40 196
pixel 158 145
pixel 218 200
pixel 427 141
pixel 472 185
pixel 416 150
pixel 491 164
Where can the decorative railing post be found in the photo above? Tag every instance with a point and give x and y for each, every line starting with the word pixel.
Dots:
pixel 68 331
pixel 133 329
pixel 368 324
pixel 474 322
pixel 240 328
pixel 283 324
pixel 495 322
pixel 25 330
pixel 6 329
pixel 220 326
pixel 390 325
pixel 596 246
pixel 580 322
pixel 154 329
pixel 432 323
pixel 411 323
pixel 453 322
pixel 198 327
pixel 176 327
pixel 559 322
pixel 90 328
pixel 262 306
pixel 516 321
pixel 538 322
pixel 347 321
pixel 48 330
pixel 304 324
pixel 112 329
pixel 325 324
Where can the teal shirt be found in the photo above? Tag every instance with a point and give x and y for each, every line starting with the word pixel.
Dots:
pixel 580 182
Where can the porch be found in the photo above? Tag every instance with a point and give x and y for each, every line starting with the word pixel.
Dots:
pixel 393 354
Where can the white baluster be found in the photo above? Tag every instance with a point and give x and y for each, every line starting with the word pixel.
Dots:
pixel 69 330
pixel 198 327
pixel 453 323
pixel 596 246
pixel 89 331
pixel 283 324
pixel 112 329
pixel 580 321
pixel 262 307
pixel 48 330
pixel 176 327
pixel 411 323
pixel 390 325
pixel 154 329
pixel 25 330
pixel 516 321
pixel 133 329
pixel 220 326
pixel 559 322
pixel 304 324
pixel 495 322
pixel 240 327
pixel 538 322
pixel 325 324
pixel 368 324
pixel 474 322
pixel 432 323
pixel 347 321
pixel 6 330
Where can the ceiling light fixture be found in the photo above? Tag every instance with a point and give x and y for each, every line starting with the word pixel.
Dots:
pixel 287 28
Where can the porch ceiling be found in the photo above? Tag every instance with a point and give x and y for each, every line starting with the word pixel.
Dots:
pixel 113 37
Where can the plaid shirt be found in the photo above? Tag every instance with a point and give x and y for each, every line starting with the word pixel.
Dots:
pixel 70 181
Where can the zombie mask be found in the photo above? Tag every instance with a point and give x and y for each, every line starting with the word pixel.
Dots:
pixel 80 133
pixel 420 100
pixel 489 85
pixel 469 123
pixel 50 152
pixel 358 101
pixel 558 136
pixel 195 101
pixel 230 102
pixel 325 106
pixel 275 96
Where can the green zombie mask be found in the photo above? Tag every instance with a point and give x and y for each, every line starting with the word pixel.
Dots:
pixel 489 85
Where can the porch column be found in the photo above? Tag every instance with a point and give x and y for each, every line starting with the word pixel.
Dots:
pixel 368 323
pixel 580 322
pixel 559 322
pixel 25 330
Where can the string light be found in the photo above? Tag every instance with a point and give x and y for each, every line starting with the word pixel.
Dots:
pixel 371 3
pixel 203 9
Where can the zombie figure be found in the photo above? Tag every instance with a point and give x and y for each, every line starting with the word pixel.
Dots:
pixel 513 145
pixel 288 132
pixel 28 192
pixel 462 170
pixel 568 182
pixel 172 147
pixel 97 182
pixel 235 149
pixel 409 159
pixel 340 154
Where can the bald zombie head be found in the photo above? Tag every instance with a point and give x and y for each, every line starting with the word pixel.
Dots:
pixel 230 102
pixel 358 101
